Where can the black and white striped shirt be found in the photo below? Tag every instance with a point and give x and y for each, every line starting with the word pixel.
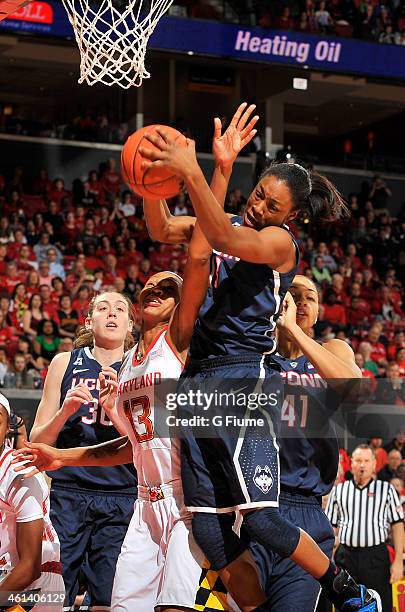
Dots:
pixel 364 516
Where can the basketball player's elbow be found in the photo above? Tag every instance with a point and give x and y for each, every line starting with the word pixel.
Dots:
pixel 197 261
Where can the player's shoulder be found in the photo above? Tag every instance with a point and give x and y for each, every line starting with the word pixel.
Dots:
pixel 59 364
pixel 340 348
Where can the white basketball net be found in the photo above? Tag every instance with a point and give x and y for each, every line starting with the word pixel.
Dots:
pixel 112 42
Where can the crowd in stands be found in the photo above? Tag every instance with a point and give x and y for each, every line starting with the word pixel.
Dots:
pixel 372 20
pixel 88 125
pixel 61 243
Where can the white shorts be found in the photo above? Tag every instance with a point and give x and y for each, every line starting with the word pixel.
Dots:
pixel 52 586
pixel 160 563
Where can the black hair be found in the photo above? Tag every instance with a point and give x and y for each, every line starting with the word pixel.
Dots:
pixel 43 322
pixel 313 195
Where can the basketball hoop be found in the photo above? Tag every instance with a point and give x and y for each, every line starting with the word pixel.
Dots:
pixel 112 41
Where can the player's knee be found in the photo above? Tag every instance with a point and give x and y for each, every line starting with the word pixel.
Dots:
pixel 270 529
pixel 213 533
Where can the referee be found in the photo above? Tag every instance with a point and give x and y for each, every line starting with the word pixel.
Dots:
pixel 361 511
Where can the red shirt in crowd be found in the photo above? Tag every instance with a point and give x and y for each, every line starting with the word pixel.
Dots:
pixel 378 351
pixel 111 182
pixel 336 314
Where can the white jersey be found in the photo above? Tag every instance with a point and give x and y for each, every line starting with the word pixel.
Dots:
pixel 156 457
pixel 21 501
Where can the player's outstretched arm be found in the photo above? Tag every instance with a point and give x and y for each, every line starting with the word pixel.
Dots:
pixel 165 227
pixel 42 457
pixel 51 417
pixel 333 360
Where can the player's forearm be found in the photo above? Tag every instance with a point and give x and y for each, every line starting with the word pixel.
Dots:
pixel 219 183
pixel 200 249
pixel 48 432
pixel 328 365
pixel 24 574
pixel 165 227
pixel 210 214
pixel 114 452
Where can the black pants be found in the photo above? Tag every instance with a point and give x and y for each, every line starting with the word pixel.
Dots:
pixel 369 566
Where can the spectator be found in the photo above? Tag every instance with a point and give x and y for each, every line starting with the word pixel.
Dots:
pixel 379 194
pixel 110 180
pixel 32 283
pixel 44 244
pixel 19 376
pixel 4 365
pixel 391 389
pixel 387 36
pixel 11 278
pixel 381 456
pixel 323 18
pixel 58 191
pixel 45 276
pixel 65 346
pixel 363 552
pixel 106 226
pixel 320 272
pixel 49 305
pixel 333 312
pixel 47 341
pixel 378 350
pixel 95 187
pixel 389 471
pixel 89 235
pixel 369 364
pixel 328 261
pixel 68 231
pixel 397 443
pixel 181 207
pixel 35 364
pixel 6 333
pixel 145 271
pixel 125 207
pixel 24 259
pixel 55 268
pixel 33 316
pixel 132 283
pixel 81 303
pixel 58 288
pixel 68 317
pixel 19 301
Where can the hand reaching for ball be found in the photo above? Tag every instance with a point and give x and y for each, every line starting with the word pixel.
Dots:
pixel 227 146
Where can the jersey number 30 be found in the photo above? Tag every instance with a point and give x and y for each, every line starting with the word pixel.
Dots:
pixel 143 427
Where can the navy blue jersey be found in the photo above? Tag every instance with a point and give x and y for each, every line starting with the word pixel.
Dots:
pixel 87 427
pixel 241 307
pixel 309 450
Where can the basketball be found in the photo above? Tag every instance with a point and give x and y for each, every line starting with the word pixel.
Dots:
pixel 150 182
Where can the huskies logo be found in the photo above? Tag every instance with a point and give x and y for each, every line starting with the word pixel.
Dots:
pixel 263 478
pixel 79 361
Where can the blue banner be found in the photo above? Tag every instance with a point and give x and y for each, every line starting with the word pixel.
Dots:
pixel 238 42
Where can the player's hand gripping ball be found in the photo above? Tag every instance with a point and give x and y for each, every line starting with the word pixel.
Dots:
pixel 154 182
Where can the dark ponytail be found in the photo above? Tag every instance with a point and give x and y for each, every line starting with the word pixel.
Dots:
pixel 314 196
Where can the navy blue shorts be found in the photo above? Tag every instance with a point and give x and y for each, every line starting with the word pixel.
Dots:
pixel 286 584
pixel 230 462
pixel 91 526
